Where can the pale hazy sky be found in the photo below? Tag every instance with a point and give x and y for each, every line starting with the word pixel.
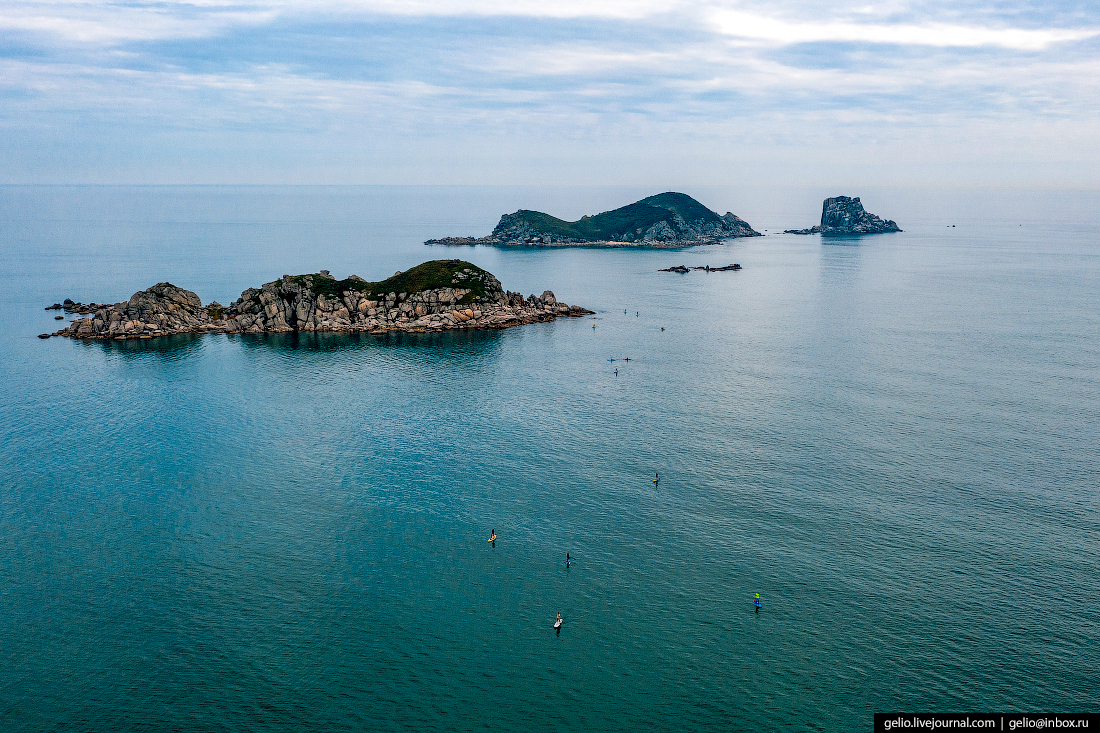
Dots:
pixel 966 92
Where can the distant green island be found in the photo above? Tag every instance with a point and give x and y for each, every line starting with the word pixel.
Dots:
pixel 667 220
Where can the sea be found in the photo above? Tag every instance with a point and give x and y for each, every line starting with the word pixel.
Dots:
pixel 894 440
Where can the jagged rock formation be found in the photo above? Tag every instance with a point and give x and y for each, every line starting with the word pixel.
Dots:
pixel 434 296
pixel 665 220
pixel 843 215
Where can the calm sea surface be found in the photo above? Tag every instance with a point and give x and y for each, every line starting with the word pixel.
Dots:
pixel 894 440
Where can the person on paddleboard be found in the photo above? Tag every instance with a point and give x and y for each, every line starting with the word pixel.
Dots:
pixel 557 622
pixel 756 601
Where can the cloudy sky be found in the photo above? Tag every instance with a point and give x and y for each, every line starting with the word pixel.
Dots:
pixel 960 92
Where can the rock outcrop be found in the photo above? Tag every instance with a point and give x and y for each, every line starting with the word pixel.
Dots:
pixel 843 216
pixel 665 220
pixel 705 268
pixel 434 296
pixel 70 306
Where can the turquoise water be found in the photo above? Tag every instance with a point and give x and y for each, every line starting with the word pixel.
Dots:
pixel 892 439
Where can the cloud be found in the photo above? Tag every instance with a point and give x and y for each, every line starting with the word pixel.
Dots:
pixel 106 24
pixel 777 31
pixel 621 9
pixel 545 75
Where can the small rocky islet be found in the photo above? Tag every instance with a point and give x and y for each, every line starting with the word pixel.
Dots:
pixel 845 216
pixel 667 220
pixel 705 268
pixel 435 296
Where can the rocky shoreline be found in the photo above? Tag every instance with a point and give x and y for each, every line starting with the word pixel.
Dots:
pixel 436 296
pixel 550 241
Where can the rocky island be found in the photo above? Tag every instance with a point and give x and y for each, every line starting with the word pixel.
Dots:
pixel 434 296
pixel 667 220
pixel 843 216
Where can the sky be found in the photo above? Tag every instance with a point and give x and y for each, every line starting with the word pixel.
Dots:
pixel 638 92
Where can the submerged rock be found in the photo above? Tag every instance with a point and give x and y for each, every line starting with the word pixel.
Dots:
pixel 843 215
pixel 434 296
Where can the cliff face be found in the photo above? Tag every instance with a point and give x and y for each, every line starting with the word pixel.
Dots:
pixel 665 220
pixel 843 215
pixel 435 296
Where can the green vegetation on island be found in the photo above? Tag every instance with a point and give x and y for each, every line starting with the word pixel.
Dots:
pixel 665 220
pixel 431 275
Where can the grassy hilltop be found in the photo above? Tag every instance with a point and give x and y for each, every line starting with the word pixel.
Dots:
pixel 431 275
pixel 611 225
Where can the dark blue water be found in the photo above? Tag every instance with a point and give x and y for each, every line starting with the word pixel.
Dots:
pixel 892 439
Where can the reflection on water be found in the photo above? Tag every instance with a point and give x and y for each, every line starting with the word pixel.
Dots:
pixel 443 344
pixel 167 348
pixel 457 349
pixel 423 354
